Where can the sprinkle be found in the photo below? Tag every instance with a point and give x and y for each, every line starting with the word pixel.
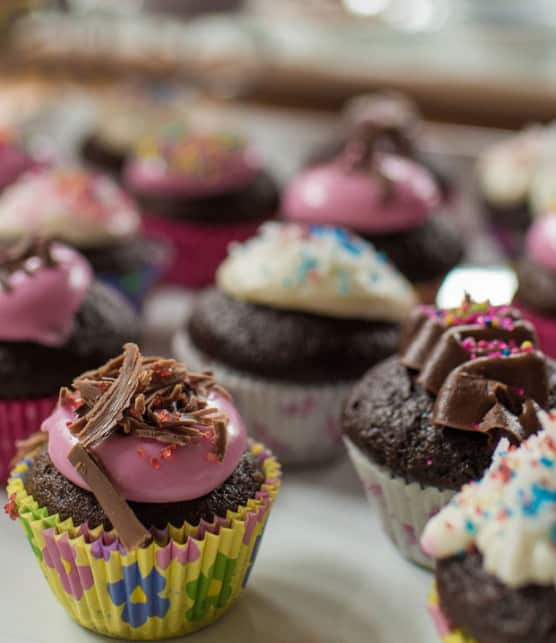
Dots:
pixel 140 452
pixel 11 508
pixel 155 464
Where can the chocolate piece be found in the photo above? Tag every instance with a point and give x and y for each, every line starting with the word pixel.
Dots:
pixel 130 531
pixel 495 396
pixel 15 257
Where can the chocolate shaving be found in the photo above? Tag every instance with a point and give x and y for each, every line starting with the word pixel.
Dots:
pixel 16 256
pixel 29 447
pixel 130 531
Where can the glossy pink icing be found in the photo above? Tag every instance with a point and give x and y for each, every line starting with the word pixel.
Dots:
pixel 13 162
pixel 541 242
pixel 196 166
pixel 40 304
pixel 189 473
pixel 333 195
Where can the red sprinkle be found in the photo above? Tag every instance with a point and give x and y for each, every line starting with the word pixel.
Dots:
pixel 141 452
pixel 155 464
pixel 11 508
pixel 168 452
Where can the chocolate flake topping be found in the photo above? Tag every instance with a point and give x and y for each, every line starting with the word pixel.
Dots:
pixel 150 397
pixel 16 257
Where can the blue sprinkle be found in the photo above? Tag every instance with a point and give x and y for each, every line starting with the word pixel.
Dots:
pixel 546 462
pixel 307 264
pixel 541 496
pixel 470 527
pixel 343 237
pixel 506 351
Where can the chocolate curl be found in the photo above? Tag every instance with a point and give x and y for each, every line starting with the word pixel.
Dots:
pixel 449 353
pixel 495 396
pixel 14 258
pixel 130 531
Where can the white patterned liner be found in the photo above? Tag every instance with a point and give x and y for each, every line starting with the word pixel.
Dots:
pixel 404 508
pixel 299 423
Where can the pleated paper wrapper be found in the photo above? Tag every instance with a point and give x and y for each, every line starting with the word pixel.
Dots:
pixel 404 508
pixel 446 632
pixel 300 423
pixel 186 579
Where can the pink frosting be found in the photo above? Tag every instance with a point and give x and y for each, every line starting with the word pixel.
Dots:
pixel 331 194
pixel 541 242
pixel 40 303
pixel 13 162
pixel 137 467
pixel 196 166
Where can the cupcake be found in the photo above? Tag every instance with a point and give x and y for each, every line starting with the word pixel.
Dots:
pixel 91 213
pixel 397 118
pixel 494 550
pixel 144 502
pixel 55 322
pixel 420 425
pixel 536 271
pixel 389 199
pixel 298 314
pixel 199 191
pixel 14 160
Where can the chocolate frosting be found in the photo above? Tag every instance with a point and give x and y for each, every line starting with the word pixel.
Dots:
pixel 480 362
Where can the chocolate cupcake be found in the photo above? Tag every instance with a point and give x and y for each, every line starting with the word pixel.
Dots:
pixel 55 322
pixel 420 425
pixel 388 199
pixel 299 313
pixel 91 213
pixel 536 271
pixel 146 487
pixel 200 191
pixel 494 550
pixel 397 118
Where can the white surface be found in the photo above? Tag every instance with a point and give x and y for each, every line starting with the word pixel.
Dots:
pixel 325 573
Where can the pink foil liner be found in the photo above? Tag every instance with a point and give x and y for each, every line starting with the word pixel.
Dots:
pixel 545 327
pixel 18 420
pixel 198 248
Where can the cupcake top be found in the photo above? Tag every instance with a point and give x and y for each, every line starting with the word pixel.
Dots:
pixel 161 433
pixel 42 285
pixel 508 515
pixel 81 208
pixel 315 269
pixel 365 188
pixel 14 160
pixel 195 164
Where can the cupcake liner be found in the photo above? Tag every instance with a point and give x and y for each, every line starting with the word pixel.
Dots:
pixel 300 423
pixel 446 632
pixel 18 420
pixel 545 327
pixel 198 247
pixel 186 579
pixel 404 508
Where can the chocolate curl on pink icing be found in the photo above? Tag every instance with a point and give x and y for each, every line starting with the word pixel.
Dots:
pixel 495 396
pixel 13 258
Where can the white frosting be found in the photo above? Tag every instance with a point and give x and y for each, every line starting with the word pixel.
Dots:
pixel 509 516
pixel 81 208
pixel 316 269
pixel 507 169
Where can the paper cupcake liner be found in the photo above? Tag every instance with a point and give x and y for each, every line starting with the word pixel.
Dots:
pixel 199 248
pixel 404 508
pixel 186 579
pixel 545 327
pixel 300 423
pixel 446 632
pixel 18 420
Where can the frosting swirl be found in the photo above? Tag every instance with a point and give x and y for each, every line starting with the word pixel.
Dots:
pixel 194 164
pixel 41 288
pixel 508 515
pixel 315 269
pixel 81 208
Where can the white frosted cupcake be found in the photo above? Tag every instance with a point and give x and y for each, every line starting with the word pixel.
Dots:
pixel 298 315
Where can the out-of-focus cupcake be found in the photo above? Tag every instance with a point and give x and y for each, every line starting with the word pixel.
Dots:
pixel 145 503
pixel 494 550
pixel 299 313
pixel 14 159
pixel 200 191
pixel 397 118
pixel 388 199
pixel 90 212
pixel 420 425
pixel 55 322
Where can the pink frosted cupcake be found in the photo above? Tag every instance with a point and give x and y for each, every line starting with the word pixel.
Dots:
pixel 536 295
pixel 90 212
pixel 54 323
pixel 14 160
pixel 200 191
pixel 388 199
